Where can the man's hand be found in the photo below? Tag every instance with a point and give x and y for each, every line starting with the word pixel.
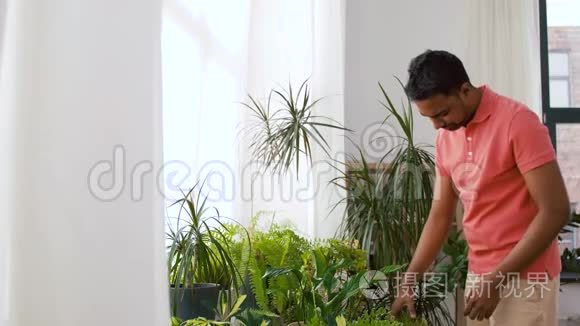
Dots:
pixel 432 237
pixel 405 299
pixel 483 298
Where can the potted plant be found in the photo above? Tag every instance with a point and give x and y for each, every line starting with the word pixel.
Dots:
pixel 330 283
pixel 229 311
pixel 386 209
pixel 570 259
pixel 198 251
pixel 321 294
pixel 278 246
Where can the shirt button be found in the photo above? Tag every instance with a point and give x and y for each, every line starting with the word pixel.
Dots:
pixel 468 138
pixel 470 153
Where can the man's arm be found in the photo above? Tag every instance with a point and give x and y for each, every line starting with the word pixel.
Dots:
pixel 547 189
pixel 432 237
pixel 436 228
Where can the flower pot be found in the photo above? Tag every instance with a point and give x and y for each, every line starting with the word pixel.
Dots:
pixel 198 301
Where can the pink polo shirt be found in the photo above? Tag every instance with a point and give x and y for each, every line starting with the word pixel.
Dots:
pixel 486 161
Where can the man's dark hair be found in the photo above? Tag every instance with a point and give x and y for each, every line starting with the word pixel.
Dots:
pixel 434 72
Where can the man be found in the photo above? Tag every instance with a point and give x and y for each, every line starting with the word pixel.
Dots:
pixel 495 155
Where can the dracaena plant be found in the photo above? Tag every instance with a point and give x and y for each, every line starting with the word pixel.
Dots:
pixel 198 249
pixel 286 127
pixel 386 209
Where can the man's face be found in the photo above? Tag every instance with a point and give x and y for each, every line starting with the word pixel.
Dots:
pixel 449 112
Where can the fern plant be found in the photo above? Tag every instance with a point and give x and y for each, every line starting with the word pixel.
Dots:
pixel 276 247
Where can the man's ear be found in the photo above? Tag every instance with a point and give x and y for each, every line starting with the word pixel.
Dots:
pixel 464 90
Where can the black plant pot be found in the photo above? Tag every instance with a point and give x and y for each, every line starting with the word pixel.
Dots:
pixel 199 301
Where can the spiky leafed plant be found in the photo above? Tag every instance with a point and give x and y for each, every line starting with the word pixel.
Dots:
pixel 199 249
pixel 287 128
pixel 386 209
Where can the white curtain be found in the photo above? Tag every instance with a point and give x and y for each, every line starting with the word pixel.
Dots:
pixel 212 58
pixel 203 56
pixel 80 134
pixel 5 142
pixel 503 48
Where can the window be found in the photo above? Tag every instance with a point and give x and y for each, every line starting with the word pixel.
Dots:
pixel 202 66
pixel 560 56
pixel 559 78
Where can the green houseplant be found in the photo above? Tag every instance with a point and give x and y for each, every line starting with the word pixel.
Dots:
pixel 320 293
pixel 454 265
pixel 385 212
pixel 386 209
pixel 276 247
pixel 570 259
pixel 285 128
pixel 281 248
pixel 198 253
pixel 271 246
pixel 328 284
pixel 381 317
pixel 230 312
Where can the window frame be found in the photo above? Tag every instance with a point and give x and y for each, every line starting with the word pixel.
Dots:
pixel 552 116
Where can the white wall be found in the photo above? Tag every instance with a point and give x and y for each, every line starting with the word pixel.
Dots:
pixel 381 38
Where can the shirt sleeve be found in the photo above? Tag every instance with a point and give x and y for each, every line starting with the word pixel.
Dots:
pixel 439 167
pixel 530 141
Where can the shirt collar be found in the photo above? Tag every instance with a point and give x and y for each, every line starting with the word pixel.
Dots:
pixel 486 105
